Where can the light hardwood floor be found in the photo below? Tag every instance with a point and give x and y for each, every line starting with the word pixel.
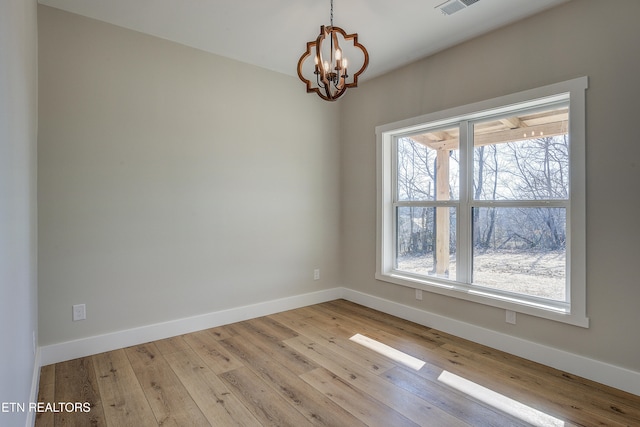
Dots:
pixel 300 368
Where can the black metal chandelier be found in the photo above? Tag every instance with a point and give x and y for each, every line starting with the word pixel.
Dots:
pixel 331 78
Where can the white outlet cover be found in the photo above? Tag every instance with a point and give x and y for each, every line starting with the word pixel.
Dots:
pixel 79 312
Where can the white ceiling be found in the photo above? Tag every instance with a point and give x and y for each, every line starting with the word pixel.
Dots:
pixel 273 33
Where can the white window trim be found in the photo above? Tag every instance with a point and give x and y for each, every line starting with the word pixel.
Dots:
pixel 576 313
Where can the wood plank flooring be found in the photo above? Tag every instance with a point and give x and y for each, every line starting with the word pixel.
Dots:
pixel 300 368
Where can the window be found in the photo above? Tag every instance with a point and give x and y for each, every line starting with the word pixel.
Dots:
pixel 486 202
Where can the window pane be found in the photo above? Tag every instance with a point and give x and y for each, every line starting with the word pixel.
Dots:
pixel 428 166
pixel 521 250
pixel 524 157
pixel 426 241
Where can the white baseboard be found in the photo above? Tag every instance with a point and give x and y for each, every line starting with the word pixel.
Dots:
pixel 604 373
pixel 61 352
pixel 611 375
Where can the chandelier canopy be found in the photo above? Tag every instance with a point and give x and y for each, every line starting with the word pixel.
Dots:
pixel 330 73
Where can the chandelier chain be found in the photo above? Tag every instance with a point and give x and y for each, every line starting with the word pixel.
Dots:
pixel 331 20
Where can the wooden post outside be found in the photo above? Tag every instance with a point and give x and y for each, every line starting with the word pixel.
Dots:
pixel 442 213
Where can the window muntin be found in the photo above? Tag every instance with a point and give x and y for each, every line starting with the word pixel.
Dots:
pixel 541 172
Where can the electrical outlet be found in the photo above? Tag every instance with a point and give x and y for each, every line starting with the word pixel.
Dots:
pixel 419 294
pixel 316 274
pixel 511 317
pixel 79 312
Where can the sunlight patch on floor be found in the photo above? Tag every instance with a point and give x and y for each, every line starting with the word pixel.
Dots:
pixel 389 352
pixel 498 401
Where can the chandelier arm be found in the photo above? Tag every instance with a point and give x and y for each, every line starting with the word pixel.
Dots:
pixel 365 62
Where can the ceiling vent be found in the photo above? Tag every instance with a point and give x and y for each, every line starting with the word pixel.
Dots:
pixel 452 6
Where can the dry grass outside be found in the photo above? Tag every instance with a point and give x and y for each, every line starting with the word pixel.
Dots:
pixel 540 274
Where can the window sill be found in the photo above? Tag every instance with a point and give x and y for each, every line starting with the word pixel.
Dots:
pixel 535 308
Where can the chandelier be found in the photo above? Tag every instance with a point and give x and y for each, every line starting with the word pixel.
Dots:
pixel 331 78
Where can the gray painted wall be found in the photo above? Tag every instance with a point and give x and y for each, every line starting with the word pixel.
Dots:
pixel 18 233
pixel 174 182
pixel 583 37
